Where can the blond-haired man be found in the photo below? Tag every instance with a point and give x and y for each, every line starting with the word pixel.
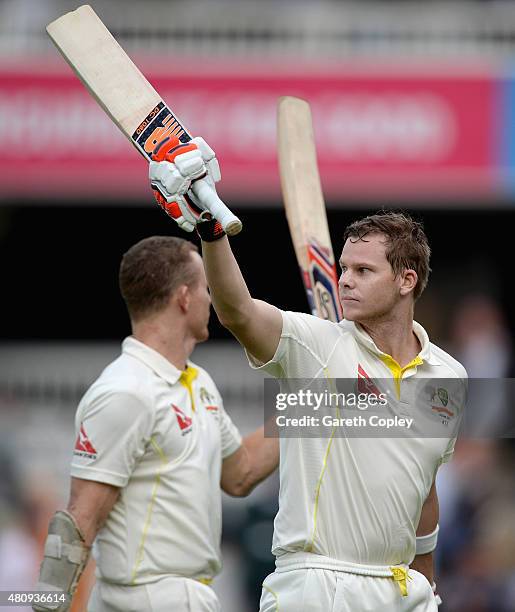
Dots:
pixel 154 446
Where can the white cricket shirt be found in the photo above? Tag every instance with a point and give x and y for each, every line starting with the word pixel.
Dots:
pixel 161 435
pixel 356 500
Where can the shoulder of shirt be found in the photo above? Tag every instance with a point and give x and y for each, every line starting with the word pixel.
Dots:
pixel 315 323
pixel 455 367
pixel 347 328
pixel 124 376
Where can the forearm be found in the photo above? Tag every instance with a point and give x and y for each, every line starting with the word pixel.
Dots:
pixel 264 455
pixel 229 293
pixel 89 522
pixel 424 564
pixel 70 535
pixel 90 504
pixel 256 458
pixel 427 532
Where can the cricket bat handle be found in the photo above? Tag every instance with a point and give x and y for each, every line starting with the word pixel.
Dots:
pixel 207 195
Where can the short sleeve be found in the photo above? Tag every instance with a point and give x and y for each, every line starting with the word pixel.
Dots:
pixel 459 407
pixel 112 432
pixel 448 452
pixel 301 352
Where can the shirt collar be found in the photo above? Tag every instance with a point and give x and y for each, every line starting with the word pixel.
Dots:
pixel 425 352
pixel 154 360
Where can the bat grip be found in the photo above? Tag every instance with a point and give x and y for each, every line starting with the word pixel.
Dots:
pixel 208 196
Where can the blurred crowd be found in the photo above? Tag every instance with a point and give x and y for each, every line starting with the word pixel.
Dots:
pixel 476 551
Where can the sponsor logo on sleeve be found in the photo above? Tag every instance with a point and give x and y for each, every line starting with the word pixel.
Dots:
pixel 83 445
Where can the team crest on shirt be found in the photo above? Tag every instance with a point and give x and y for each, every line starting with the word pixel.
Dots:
pixel 183 420
pixel 207 399
pixel 83 445
pixel 441 403
pixel 205 396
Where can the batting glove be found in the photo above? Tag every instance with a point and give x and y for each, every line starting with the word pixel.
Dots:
pixel 174 167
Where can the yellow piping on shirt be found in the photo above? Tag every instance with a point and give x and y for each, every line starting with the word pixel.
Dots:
pixel 141 547
pixel 309 547
pixel 397 371
pixel 274 595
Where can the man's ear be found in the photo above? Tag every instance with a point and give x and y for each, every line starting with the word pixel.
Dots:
pixel 409 279
pixel 183 297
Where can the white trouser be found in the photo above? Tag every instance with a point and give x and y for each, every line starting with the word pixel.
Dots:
pixel 166 595
pixel 304 582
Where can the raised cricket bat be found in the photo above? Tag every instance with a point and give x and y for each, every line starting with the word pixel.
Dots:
pixel 305 207
pixel 125 94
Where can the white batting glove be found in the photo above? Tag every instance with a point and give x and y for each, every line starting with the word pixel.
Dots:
pixel 176 165
pixel 208 156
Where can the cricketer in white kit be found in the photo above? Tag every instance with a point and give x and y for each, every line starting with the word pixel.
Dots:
pixel 352 505
pixel 358 517
pixel 154 447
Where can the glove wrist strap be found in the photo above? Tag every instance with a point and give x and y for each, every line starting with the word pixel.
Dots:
pixel 210 230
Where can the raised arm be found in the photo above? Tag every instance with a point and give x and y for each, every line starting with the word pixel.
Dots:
pixel 178 167
pixel 256 324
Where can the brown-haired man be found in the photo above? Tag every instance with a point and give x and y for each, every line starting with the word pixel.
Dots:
pixel 154 446
pixel 354 513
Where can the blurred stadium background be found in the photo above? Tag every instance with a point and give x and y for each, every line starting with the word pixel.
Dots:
pixel 414 107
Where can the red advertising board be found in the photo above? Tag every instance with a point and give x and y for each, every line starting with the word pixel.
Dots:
pixel 379 135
